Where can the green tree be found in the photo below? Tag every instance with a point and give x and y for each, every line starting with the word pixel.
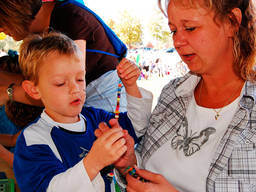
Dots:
pixel 129 29
pixel 159 30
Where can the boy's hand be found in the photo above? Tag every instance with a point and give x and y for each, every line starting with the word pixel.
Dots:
pixel 107 149
pixel 128 72
pixel 129 158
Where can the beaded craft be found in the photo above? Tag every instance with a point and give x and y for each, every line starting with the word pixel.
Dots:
pixel 132 171
pixel 117 111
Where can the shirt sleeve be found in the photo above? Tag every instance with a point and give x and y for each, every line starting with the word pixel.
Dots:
pixel 139 111
pixel 76 179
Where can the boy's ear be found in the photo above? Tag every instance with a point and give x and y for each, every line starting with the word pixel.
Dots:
pixel 31 89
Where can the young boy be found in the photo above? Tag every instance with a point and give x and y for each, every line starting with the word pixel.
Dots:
pixel 59 151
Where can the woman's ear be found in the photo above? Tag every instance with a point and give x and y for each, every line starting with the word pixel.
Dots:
pixel 235 19
pixel 238 15
pixel 31 89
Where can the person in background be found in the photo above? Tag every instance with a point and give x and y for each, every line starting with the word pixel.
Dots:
pixel 14 116
pixel 59 151
pixel 202 134
pixel 21 18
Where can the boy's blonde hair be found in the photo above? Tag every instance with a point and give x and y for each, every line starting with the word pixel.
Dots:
pixel 36 48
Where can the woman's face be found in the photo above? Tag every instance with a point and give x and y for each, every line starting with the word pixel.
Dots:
pixel 203 45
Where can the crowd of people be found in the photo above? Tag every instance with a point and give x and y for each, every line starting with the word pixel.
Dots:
pixel 79 116
pixel 157 63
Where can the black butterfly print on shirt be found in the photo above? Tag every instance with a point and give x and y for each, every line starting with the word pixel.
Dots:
pixel 189 142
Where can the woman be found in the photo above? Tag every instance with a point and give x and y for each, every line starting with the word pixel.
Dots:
pixel 71 17
pixel 201 135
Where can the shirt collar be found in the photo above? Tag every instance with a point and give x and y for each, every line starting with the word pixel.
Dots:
pixel 74 127
pixel 186 85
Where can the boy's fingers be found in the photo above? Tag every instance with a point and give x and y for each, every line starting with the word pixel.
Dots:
pixel 114 123
pixel 98 133
pixel 103 127
pixel 121 151
pixel 113 135
pixel 119 143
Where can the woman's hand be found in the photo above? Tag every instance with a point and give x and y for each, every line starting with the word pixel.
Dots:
pixel 155 182
pixel 129 158
pixel 128 72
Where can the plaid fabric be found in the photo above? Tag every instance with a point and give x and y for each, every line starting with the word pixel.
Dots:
pixel 233 168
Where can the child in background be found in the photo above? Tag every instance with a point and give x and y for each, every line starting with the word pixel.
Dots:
pixel 59 151
pixel 20 114
pixel 13 115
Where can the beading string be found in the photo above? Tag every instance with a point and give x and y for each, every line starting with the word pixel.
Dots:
pixel 117 111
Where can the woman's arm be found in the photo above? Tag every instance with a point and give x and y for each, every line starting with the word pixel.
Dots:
pixel 6 155
pixel 8 140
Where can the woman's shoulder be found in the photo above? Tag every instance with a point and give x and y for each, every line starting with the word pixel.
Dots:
pixel 174 83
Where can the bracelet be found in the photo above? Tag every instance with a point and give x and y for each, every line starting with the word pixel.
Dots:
pixel 132 171
pixel 128 169
pixel 9 91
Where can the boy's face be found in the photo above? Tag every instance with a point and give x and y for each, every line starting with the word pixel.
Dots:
pixel 62 87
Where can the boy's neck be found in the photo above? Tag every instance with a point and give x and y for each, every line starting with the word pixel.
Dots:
pixel 79 126
pixel 42 21
pixel 61 119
